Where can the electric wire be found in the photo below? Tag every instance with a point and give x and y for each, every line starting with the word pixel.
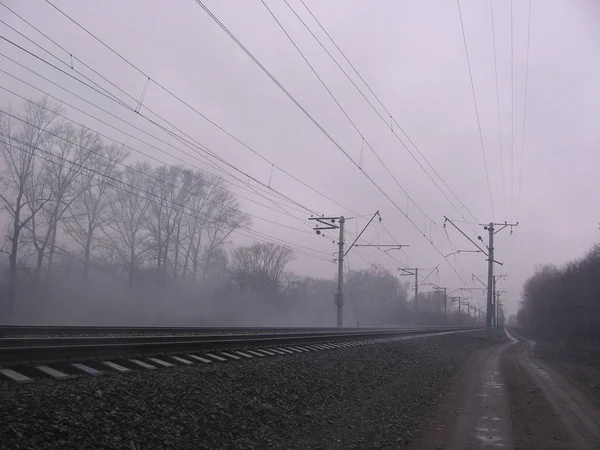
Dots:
pixel 187 143
pixel 524 126
pixel 362 136
pixel 162 86
pixel 64 117
pixel 251 149
pixel 315 122
pixel 191 143
pixel 134 169
pixel 498 107
pixel 150 196
pixel 134 137
pixel 379 113
pixel 512 113
pixel 487 175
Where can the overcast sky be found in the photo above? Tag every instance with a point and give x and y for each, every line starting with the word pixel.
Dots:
pixel 412 55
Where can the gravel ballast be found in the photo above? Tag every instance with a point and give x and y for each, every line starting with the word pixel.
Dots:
pixel 375 396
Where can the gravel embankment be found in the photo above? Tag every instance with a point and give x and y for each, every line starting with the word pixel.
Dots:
pixel 375 396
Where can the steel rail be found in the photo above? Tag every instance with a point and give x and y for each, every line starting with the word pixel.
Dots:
pixel 72 330
pixel 47 351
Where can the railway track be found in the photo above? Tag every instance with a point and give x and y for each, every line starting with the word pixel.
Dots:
pixel 83 330
pixel 28 345
pixel 83 348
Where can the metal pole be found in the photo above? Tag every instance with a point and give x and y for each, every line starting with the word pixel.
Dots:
pixel 490 287
pixel 445 306
pixel 340 292
pixel 417 291
pixel 494 298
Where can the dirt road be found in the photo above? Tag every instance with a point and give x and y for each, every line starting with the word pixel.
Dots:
pixel 508 399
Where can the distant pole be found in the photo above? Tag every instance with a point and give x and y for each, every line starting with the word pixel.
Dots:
pixel 415 272
pixel 490 287
pixel 340 292
pixel 490 259
pixel 445 306
pixel 416 291
pixel 494 299
pixel 329 223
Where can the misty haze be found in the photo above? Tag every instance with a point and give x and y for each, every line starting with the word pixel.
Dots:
pixel 299 224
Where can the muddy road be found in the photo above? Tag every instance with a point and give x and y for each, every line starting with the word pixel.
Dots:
pixel 506 398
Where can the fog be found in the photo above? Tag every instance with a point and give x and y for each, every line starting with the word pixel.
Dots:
pixel 155 183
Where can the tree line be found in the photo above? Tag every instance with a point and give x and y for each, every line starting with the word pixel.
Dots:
pixel 91 236
pixel 562 304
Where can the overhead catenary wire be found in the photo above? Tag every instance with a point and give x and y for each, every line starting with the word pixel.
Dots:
pixel 218 168
pixel 148 175
pixel 482 145
pixel 352 122
pixel 167 89
pixel 512 113
pixel 195 110
pixel 62 101
pixel 128 134
pixel 41 59
pixel 383 119
pixel 190 143
pixel 315 122
pixel 524 125
pixel 130 147
pixel 134 137
pixel 52 54
pixel 498 107
pixel 150 196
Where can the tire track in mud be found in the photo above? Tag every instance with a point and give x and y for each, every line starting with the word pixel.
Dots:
pixel 577 413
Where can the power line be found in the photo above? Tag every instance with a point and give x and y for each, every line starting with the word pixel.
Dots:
pixel 487 175
pixel 498 106
pixel 312 119
pixel 148 175
pixel 126 106
pixel 524 106
pixel 512 113
pixel 394 121
pixel 193 109
pixel 365 141
pixel 344 111
pixel 166 90
pixel 151 195
pixel 127 146
pixel 52 54
pixel 193 145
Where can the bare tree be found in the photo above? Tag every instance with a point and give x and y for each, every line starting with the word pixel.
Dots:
pixel 165 217
pixel 88 213
pixel 23 137
pixel 129 206
pixel 201 206
pixel 259 268
pixel 73 148
pixel 225 218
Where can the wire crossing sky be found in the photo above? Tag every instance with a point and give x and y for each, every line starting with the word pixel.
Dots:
pixel 419 110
